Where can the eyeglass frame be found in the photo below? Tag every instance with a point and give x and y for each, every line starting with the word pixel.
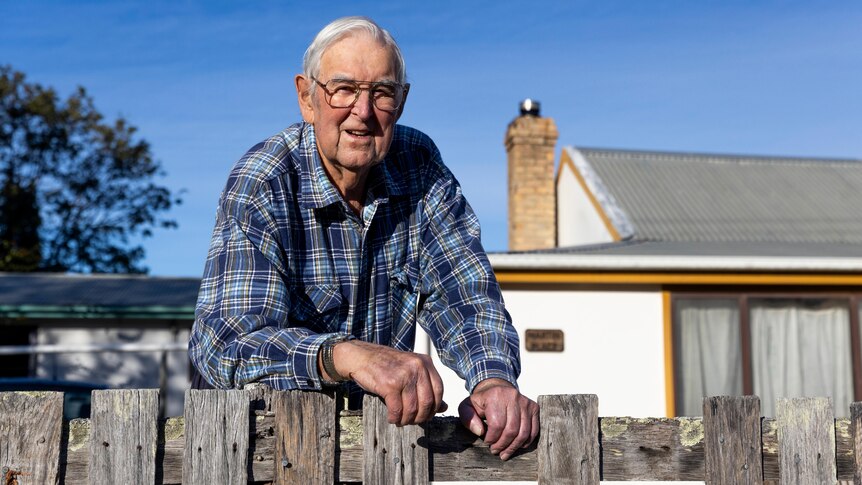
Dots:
pixel 370 86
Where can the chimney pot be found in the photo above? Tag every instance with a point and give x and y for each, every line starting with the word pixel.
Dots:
pixel 530 107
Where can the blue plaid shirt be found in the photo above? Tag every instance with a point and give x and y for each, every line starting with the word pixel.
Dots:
pixel 290 265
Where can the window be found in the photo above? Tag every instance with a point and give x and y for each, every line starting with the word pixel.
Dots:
pixel 765 344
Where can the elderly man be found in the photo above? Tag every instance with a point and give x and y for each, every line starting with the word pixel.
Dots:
pixel 335 237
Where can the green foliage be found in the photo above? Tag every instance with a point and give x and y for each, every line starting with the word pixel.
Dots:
pixel 76 190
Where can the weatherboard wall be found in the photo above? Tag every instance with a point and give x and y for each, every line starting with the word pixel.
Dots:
pixel 613 346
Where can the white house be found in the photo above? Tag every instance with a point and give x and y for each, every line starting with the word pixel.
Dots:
pixel 665 277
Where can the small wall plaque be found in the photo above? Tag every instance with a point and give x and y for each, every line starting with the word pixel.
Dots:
pixel 544 340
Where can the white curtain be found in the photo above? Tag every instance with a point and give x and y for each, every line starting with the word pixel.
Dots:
pixel 801 348
pixel 710 355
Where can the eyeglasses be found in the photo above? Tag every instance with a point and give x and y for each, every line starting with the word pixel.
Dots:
pixel 343 93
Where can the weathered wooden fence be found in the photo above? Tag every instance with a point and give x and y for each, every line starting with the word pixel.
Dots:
pixel 261 436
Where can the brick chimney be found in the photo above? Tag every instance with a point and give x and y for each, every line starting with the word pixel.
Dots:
pixel 530 141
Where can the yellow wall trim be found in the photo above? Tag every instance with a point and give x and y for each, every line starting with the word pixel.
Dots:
pixel 670 395
pixel 670 278
pixel 566 161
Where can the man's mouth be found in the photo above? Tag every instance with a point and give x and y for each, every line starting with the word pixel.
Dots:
pixel 358 132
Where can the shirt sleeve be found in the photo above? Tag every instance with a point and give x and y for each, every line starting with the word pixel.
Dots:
pixel 242 332
pixel 464 312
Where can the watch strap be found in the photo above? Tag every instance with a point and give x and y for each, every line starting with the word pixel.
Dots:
pixel 326 354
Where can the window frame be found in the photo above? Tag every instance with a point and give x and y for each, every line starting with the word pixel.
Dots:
pixel 742 297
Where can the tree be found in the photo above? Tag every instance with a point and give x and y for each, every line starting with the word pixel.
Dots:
pixel 20 248
pixel 75 191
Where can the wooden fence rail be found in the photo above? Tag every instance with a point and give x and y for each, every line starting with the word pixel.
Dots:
pixel 262 436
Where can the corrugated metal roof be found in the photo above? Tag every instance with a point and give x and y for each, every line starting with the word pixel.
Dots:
pixel 688 197
pixel 96 294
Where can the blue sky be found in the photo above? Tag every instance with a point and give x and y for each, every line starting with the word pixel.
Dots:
pixel 204 81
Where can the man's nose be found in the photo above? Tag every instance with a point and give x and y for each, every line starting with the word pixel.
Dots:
pixel 364 105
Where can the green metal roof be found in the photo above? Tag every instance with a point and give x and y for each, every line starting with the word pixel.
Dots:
pixel 63 296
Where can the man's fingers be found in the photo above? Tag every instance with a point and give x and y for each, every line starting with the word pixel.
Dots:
pixel 425 398
pixel 470 418
pixel 534 432
pixel 437 387
pixel 495 418
pixel 410 406
pixel 523 436
pixel 511 428
pixel 394 408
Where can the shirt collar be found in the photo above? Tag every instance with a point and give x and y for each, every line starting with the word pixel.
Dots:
pixel 317 191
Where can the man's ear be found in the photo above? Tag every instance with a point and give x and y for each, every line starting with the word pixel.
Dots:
pixel 303 96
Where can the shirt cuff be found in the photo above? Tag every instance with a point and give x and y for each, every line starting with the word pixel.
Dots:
pixel 306 374
pixel 488 369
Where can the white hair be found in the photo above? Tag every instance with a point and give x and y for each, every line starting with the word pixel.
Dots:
pixel 341 28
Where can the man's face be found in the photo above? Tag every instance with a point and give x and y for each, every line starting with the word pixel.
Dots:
pixel 354 138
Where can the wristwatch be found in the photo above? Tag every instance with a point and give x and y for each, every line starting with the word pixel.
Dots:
pixel 326 356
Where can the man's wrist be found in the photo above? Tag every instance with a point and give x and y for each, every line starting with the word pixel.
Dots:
pixel 492 382
pixel 326 361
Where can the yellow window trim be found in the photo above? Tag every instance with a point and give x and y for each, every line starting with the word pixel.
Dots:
pixel 670 392
pixel 671 278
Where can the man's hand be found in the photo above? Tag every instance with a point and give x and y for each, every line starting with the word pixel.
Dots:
pixel 407 381
pixel 512 418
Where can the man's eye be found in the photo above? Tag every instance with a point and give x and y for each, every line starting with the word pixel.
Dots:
pixel 344 88
pixel 384 91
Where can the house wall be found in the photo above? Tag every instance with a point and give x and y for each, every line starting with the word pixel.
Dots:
pixel 578 219
pixel 125 370
pixel 614 347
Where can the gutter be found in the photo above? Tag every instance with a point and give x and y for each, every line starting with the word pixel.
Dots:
pixel 97 312
pixel 588 262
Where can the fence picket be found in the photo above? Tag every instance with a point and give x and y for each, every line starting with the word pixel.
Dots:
pixel 806 441
pixel 216 432
pixel 123 436
pixel 856 440
pixel 306 429
pixel 393 455
pixel 30 428
pixel 732 446
pixel 569 441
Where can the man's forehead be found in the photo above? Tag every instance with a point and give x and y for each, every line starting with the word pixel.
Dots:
pixel 343 57
pixel 339 76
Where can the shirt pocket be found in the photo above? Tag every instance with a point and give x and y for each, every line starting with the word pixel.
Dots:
pixel 404 309
pixel 316 307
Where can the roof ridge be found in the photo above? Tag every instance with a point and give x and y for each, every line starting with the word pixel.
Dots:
pixel 706 156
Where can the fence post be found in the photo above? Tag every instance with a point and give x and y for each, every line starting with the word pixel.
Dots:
pixel 393 455
pixel 123 436
pixel 216 433
pixel 806 441
pixel 306 425
pixel 568 451
pixel 856 440
pixel 732 448
pixel 30 428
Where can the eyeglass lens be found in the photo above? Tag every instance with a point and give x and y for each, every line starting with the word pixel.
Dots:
pixel 344 93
